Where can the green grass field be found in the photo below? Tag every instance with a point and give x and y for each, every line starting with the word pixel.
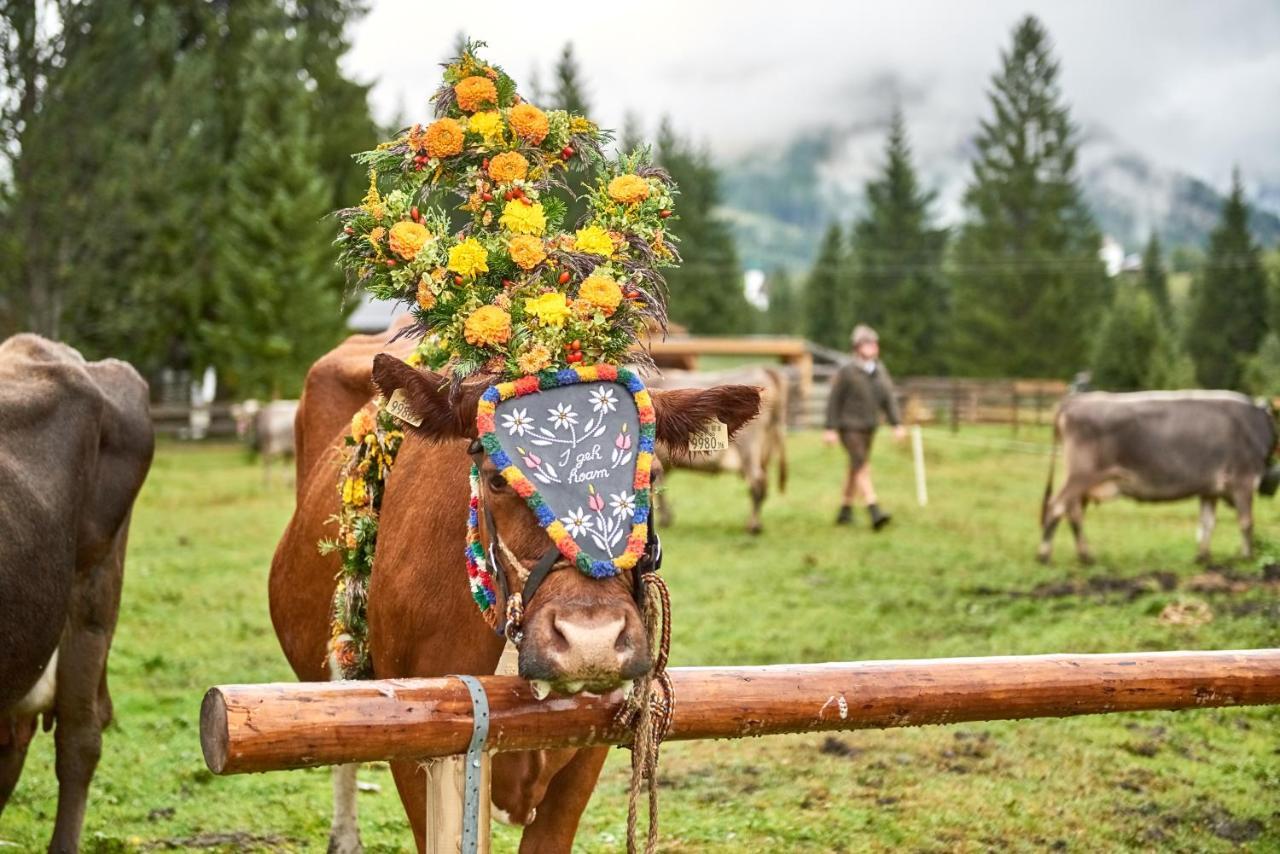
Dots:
pixel 956 578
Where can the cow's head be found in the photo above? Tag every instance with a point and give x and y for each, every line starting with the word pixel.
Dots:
pixel 579 633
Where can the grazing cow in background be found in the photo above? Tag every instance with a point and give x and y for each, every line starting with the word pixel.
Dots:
pixel 422 620
pixel 753 448
pixel 75 445
pixel 267 428
pixel 1161 446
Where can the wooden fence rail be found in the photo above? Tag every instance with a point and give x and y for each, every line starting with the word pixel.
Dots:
pixel 247 728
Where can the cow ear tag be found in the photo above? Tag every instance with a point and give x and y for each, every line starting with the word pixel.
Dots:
pixel 711 438
pixel 398 405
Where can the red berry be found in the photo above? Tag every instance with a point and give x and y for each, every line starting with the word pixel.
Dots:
pixel 506 283
pixel 484 164
pixel 575 344
pixel 391 262
pixel 507 196
pixel 348 230
pixel 457 280
pixel 564 277
pixel 664 213
pixel 566 152
pixel 488 197
pixel 526 200
pixel 414 214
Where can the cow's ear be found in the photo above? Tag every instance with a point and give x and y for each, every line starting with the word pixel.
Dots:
pixel 681 412
pixel 428 398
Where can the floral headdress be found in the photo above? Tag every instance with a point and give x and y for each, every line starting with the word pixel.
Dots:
pixel 500 281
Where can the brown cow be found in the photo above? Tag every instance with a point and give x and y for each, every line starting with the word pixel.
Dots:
pixel 75 445
pixel 422 620
pixel 753 448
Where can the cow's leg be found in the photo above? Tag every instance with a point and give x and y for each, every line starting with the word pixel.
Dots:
pixel 344 830
pixel 15 737
pixel 1204 533
pixel 82 706
pixel 758 484
pixel 1244 513
pixel 556 824
pixel 1075 515
pixel 1056 509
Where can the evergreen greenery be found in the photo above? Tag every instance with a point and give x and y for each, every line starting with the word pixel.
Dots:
pixel 1229 299
pixel 568 92
pixel 120 131
pixel 1128 342
pixel 1155 279
pixel 896 260
pixel 1029 286
pixel 783 317
pixel 826 295
pixel 707 295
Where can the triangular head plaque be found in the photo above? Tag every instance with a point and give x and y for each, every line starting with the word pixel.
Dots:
pixel 577 445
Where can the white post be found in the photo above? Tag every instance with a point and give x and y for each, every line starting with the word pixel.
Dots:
pixel 917 451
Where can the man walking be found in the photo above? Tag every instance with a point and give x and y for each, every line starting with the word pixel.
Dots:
pixel 862 389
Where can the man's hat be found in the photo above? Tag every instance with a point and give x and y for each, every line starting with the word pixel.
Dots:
pixel 863 334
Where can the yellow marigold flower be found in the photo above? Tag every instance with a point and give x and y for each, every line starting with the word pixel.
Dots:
pixel 468 258
pixel 426 298
pixel 486 326
pixel 407 239
pixel 527 251
pixel 535 359
pixel 520 218
pixel 475 92
pixel 444 138
pixel 508 166
pixel 593 240
pixel 529 123
pixel 551 309
pixel 488 124
pixel 602 292
pixel 628 189
pixel 354 493
pixel 361 424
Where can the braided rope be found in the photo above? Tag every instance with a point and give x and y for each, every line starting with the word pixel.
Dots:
pixel 650 713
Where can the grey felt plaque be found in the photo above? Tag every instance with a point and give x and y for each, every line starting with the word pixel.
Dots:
pixel 577 444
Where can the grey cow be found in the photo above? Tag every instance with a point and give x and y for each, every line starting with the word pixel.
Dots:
pixel 1161 446
pixel 75 445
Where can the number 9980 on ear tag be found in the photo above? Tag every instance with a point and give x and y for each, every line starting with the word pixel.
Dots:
pixel 710 438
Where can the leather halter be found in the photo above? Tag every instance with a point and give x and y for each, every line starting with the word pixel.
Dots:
pixel 550 561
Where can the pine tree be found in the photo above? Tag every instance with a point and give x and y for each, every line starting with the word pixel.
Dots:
pixel 1127 341
pixel 896 260
pixel 783 317
pixel 274 310
pixel 826 295
pixel 707 294
pixel 1028 283
pixel 1229 302
pixel 1262 370
pixel 569 93
pixel 1155 280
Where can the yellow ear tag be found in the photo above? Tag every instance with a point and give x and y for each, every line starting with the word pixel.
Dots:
pixel 398 405
pixel 710 438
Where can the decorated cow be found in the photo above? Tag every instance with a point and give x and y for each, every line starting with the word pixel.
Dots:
pixel 494 494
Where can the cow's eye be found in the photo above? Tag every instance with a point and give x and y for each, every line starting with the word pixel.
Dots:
pixel 497 481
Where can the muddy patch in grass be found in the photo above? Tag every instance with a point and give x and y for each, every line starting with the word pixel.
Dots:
pixel 235 840
pixel 1216 579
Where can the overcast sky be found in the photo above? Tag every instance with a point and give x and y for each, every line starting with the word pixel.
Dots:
pixel 1194 86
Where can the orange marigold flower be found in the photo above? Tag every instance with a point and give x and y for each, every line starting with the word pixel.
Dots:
pixel 444 138
pixel 361 424
pixel 535 359
pixel 527 251
pixel 407 239
pixel 508 166
pixel 487 325
pixel 602 292
pixel 474 93
pixel 426 298
pixel 628 189
pixel 529 123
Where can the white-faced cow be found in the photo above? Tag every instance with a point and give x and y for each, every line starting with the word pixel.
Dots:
pixel 75 445
pixel 267 428
pixel 1161 446
pixel 577 631
pixel 754 447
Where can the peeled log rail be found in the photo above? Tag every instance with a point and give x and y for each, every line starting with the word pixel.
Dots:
pixel 246 728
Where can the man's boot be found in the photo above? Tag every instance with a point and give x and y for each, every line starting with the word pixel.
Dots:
pixel 878 517
pixel 845 516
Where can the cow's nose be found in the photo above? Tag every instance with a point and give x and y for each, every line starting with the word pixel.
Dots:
pixel 596 652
